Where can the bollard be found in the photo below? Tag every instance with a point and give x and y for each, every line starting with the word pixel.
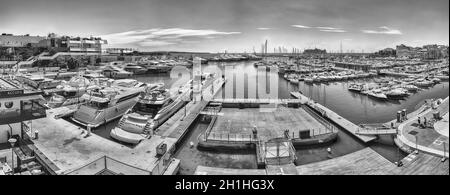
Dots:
pixel 36 134
pixel 399 116
pixel 404 115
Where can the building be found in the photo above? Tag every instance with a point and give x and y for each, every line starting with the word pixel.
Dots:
pixel 403 51
pixel 72 44
pixel 17 105
pixel 388 52
pixel 10 40
pixel 430 52
pixel 314 51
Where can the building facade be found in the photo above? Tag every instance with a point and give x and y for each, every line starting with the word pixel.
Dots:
pixel 10 40
pixel 17 105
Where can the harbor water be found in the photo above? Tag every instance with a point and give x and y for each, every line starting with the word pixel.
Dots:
pixel 246 79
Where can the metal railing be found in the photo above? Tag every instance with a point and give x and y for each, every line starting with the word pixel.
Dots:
pixel 312 133
pixel 106 163
pixel 231 138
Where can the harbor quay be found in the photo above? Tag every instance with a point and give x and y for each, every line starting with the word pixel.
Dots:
pixel 204 101
pixel 427 131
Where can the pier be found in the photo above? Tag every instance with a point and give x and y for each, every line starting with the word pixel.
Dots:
pixel 256 103
pixel 176 127
pixel 334 117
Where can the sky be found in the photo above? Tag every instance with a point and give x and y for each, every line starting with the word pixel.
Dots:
pixel 235 25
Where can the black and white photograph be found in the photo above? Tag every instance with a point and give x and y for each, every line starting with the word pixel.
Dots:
pixel 224 87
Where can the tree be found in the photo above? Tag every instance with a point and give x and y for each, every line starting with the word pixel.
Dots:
pixel 72 63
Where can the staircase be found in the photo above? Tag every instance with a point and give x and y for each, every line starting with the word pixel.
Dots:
pixel 147 129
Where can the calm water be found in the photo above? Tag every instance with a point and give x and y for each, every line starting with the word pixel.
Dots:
pixel 245 81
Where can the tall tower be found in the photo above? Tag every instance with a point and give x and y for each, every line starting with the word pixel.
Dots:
pixel 341 47
pixel 265 47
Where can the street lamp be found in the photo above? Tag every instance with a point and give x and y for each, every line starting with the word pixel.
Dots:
pixel 443 157
pixel 12 141
pixel 417 148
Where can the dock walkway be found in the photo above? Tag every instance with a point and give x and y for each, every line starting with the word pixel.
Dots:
pixel 377 132
pixel 423 164
pixel 177 126
pixel 339 120
pixel 257 101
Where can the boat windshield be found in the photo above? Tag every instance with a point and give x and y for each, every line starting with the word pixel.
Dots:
pixel 69 93
pixel 97 105
pixel 147 109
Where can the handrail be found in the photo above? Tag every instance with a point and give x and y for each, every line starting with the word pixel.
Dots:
pixel 105 166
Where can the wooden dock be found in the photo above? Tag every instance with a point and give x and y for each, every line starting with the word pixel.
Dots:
pixel 337 119
pixel 423 164
pixel 362 162
pixel 203 170
pixel 288 169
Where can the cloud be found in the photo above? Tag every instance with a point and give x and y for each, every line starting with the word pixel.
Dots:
pixel 334 31
pixel 263 28
pixel 384 30
pixel 327 28
pixel 300 26
pixel 323 28
pixel 161 37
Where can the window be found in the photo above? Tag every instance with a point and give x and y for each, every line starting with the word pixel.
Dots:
pixel 9 104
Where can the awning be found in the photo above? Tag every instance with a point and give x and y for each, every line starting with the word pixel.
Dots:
pixel 23 98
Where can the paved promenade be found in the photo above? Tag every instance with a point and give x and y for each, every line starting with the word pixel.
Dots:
pixel 67 146
pixel 428 139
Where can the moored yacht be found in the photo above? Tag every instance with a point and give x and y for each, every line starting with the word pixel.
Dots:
pixel 355 87
pixel 70 92
pixel 106 103
pixel 378 94
pixel 396 94
pixel 153 108
pixel 135 69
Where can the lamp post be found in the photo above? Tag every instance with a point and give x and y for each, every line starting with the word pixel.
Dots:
pixel 12 141
pixel 443 157
pixel 417 148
